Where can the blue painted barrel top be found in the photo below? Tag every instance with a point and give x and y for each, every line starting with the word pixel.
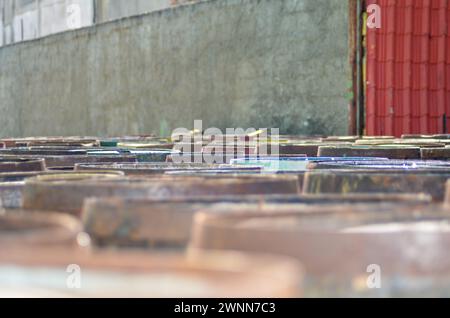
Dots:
pixel 293 164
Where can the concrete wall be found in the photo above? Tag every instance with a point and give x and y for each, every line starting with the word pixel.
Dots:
pixel 232 63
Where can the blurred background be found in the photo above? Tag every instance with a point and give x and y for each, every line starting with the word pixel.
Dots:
pixel 232 63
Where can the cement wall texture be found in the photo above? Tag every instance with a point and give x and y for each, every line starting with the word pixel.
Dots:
pixel 231 63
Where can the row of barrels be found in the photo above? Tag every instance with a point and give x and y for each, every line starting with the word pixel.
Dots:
pixel 260 226
pixel 65 152
pixel 31 189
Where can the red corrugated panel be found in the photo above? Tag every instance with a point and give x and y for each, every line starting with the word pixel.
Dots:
pixel 408 68
pixel 372 80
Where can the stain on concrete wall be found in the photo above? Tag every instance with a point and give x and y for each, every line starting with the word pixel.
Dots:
pixel 232 63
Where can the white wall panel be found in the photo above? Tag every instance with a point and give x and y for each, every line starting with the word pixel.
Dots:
pixel 1 31
pixel 29 19
pixel 26 26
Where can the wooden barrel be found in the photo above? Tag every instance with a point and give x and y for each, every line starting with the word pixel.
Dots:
pixel 145 156
pixel 50 141
pixel 155 155
pixel 44 151
pixel 430 182
pixel 145 145
pixel 378 137
pixel 21 229
pixel 310 149
pixel 390 152
pixel 21 164
pixel 70 161
pixel 447 194
pixel 381 165
pixel 340 139
pixel 11 194
pixel 167 222
pixel 422 143
pixel 67 195
pixel 142 275
pixel 12 185
pixel 341 246
pixel 418 136
pixel 435 153
pixel 161 168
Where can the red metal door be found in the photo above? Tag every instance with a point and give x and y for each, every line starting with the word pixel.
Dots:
pixel 408 68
